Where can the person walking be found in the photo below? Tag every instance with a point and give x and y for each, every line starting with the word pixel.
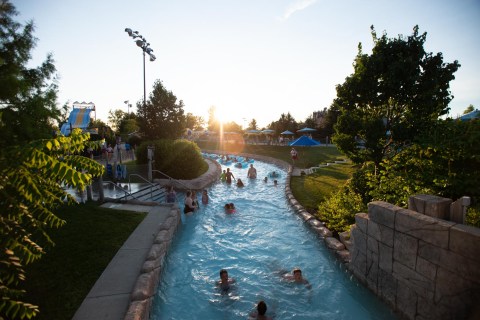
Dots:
pixel 294 155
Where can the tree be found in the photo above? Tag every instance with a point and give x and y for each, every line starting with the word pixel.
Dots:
pixel 330 119
pixel 310 122
pixel 393 95
pixel 232 126
pixel 469 109
pixel 253 125
pixel 162 117
pixel 30 191
pixel 27 95
pixel 194 122
pixel 115 118
pixel 285 122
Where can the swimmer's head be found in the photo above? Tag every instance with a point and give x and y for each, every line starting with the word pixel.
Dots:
pixel 261 308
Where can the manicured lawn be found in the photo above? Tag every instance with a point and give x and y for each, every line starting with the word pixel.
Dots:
pixel 84 246
pixel 312 189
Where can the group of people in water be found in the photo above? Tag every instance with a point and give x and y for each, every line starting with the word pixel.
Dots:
pixel 225 284
pixel 191 201
pixel 227 176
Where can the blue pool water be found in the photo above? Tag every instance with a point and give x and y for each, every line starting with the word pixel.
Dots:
pixel 262 237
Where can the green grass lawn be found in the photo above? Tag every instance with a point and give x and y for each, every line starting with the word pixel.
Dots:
pixel 312 189
pixel 84 246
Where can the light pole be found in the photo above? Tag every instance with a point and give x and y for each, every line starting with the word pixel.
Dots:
pixel 145 46
pixel 128 107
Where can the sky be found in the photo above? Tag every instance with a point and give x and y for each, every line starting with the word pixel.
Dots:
pixel 251 59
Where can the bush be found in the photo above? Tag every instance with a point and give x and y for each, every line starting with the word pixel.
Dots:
pixel 472 217
pixel 338 212
pixel 179 159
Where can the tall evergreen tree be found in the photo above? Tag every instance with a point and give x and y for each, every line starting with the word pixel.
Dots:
pixel 162 117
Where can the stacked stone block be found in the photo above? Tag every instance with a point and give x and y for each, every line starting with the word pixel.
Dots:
pixel 424 267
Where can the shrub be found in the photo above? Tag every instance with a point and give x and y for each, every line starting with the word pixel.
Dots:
pixel 472 217
pixel 179 159
pixel 338 212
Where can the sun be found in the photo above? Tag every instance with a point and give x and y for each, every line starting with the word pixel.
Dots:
pixel 220 115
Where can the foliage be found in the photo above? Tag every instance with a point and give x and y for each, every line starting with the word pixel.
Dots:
pixel 27 95
pixel 179 159
pixel 60 281
pixel 162 117
pixel 472 217
pixel 285 122
pixel 469 109
pixel 115 118
pixel 393 95
pixel 30 189
pixel 194 122
pixel 252 125
pixel 446 163
pixel 338 212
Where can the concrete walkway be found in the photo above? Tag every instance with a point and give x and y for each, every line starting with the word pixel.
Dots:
pixel 109 298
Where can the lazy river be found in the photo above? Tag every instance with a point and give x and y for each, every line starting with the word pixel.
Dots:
pixel 261 238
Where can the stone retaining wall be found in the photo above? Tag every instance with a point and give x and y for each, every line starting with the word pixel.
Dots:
pixel 147 282
pixel 424 267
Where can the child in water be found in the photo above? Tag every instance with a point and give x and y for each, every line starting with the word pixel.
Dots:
pixel 229 208
pixel 204 197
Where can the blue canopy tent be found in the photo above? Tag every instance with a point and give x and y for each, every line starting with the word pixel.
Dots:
pixel 306 130
pixel 475 114
pixel 304 141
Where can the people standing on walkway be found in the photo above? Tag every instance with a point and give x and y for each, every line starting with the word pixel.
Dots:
pixel 294 155
pixel 252 172
pixel 229 176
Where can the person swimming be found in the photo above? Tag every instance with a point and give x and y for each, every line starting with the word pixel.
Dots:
pixel 259 314
pixel 205 197
pixel 229 175
pixel 252 172
pixel 229 207
pixel 296 277
pixel 225 282
pixel 239 183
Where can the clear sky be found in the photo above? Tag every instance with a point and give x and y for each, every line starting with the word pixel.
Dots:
pixel 249 59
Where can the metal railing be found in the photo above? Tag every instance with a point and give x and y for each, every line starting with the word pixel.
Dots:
pixel 116 186
pixel 152 185
pixel 170 179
